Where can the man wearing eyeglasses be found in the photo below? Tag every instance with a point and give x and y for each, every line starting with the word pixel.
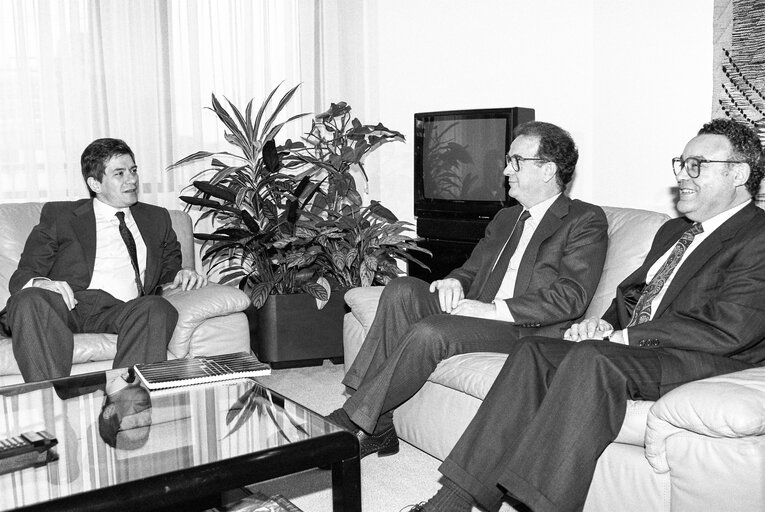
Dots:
pixel 534 272
pixel 694 309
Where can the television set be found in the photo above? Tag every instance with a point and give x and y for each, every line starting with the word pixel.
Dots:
pixel 459 158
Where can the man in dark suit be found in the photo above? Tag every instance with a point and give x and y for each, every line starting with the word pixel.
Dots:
pixel 694 309
pixel 97 265
pixel 535 271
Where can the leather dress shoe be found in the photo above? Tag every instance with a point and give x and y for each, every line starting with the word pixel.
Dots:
pixel 384 443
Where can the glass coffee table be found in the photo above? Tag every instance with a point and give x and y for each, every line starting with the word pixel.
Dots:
pixel 128 449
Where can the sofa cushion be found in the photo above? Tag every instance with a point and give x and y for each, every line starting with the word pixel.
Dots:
pixel 474 373
pixel 17 221
pixel 630 235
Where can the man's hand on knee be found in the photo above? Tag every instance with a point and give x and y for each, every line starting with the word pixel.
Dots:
pixel 60 287
pixel 450 293
pixel 592 328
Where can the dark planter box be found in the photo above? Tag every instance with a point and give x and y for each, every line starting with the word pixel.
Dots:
pixel 288 331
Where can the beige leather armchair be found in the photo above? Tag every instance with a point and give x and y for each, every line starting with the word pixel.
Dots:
pixel 211 319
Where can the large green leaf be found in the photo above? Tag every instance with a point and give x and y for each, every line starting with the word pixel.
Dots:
pixel 208 203
pixel 216 191
pixel 199 155
pixel 316 290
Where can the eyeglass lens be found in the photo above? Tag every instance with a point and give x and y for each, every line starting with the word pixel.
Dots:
pixel 691 165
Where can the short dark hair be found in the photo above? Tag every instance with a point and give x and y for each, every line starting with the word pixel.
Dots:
pixel 746 147
pixel 94 158
pixel 555 145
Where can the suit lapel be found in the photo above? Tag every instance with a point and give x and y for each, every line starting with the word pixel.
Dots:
pixel 550 223
pixel 699 257
pixel 151 240
pixel 84 227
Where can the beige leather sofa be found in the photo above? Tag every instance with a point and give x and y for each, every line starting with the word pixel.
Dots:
pixel 210 319
pixel 700 447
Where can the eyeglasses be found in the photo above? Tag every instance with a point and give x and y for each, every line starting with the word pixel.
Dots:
pixel 693 165
pixel 515 161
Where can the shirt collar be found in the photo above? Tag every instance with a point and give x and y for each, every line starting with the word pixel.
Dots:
pixel 540 209
pixel 104 211
pixel 715 222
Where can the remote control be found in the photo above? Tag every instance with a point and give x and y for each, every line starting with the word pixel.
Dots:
pixel 27 450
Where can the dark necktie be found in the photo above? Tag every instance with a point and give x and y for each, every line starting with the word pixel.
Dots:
pixel 642 311
pixel 127 237
pixel 492 284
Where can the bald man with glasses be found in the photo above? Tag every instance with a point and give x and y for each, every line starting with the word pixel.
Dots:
pixel 534 272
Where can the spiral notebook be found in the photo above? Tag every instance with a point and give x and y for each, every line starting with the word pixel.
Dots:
pixel 200 370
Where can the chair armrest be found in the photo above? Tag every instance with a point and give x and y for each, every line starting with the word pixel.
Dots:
pixel 196 306
pixel 363 303
pixel 726 406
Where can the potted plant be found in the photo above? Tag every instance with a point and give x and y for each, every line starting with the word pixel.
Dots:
pixel 361 243
pixel 253 201
pixel 289 225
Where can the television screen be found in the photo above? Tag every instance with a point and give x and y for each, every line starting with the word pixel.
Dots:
pixel 464 159
pixel 459 158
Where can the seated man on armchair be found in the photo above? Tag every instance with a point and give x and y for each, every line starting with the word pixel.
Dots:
pixel 535 271
pixel 97 265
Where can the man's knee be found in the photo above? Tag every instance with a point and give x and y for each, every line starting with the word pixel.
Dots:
pixel 403 288
pixel 157 306
pixel 34 301
pixel 432 332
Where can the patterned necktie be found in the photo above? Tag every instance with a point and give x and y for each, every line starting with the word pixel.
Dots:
pixel 127 237
pixel 492 284
pixel 642 311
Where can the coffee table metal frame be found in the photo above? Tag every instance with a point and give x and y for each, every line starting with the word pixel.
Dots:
pixel 200 487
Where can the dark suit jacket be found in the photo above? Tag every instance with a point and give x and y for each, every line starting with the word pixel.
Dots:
pixel 62 247
pixel 559 271
pixel 714 306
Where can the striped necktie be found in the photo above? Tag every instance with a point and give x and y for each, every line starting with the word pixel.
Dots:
pixel 642 311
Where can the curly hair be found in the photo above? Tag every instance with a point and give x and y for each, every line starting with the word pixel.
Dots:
pixel 746 147
pixel 97 154
pixel 555 145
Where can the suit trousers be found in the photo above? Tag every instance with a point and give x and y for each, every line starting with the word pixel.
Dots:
pixel 42 329
pixel 550 414
pixel 409 336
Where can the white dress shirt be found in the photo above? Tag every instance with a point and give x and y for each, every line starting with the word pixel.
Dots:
pixel 113 271
pixel 709 227
pixel 506 289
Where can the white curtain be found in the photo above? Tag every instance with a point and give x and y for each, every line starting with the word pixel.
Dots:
pixel 72 71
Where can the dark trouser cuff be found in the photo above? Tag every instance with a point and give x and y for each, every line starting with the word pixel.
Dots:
pixel 526 493
pixel 488 496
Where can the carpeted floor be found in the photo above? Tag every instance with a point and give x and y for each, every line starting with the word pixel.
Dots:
pixel 388 484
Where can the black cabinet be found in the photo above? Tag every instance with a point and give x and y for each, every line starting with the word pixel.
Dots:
pixel 450 240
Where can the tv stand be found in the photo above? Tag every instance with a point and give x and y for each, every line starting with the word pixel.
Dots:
pixel 450 240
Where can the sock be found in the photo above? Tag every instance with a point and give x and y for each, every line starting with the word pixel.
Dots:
pixel 450 498
pixel 340 417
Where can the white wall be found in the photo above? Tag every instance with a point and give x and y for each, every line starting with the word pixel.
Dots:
pixel 630 80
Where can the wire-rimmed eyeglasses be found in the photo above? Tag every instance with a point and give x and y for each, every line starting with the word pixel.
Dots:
pixel 514 161
pixel 692 165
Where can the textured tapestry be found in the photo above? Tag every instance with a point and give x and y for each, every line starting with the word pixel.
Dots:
pixel 739 64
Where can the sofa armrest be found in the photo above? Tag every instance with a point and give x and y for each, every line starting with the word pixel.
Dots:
pixel 363 303
pixel 726 406
pixel 196 306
